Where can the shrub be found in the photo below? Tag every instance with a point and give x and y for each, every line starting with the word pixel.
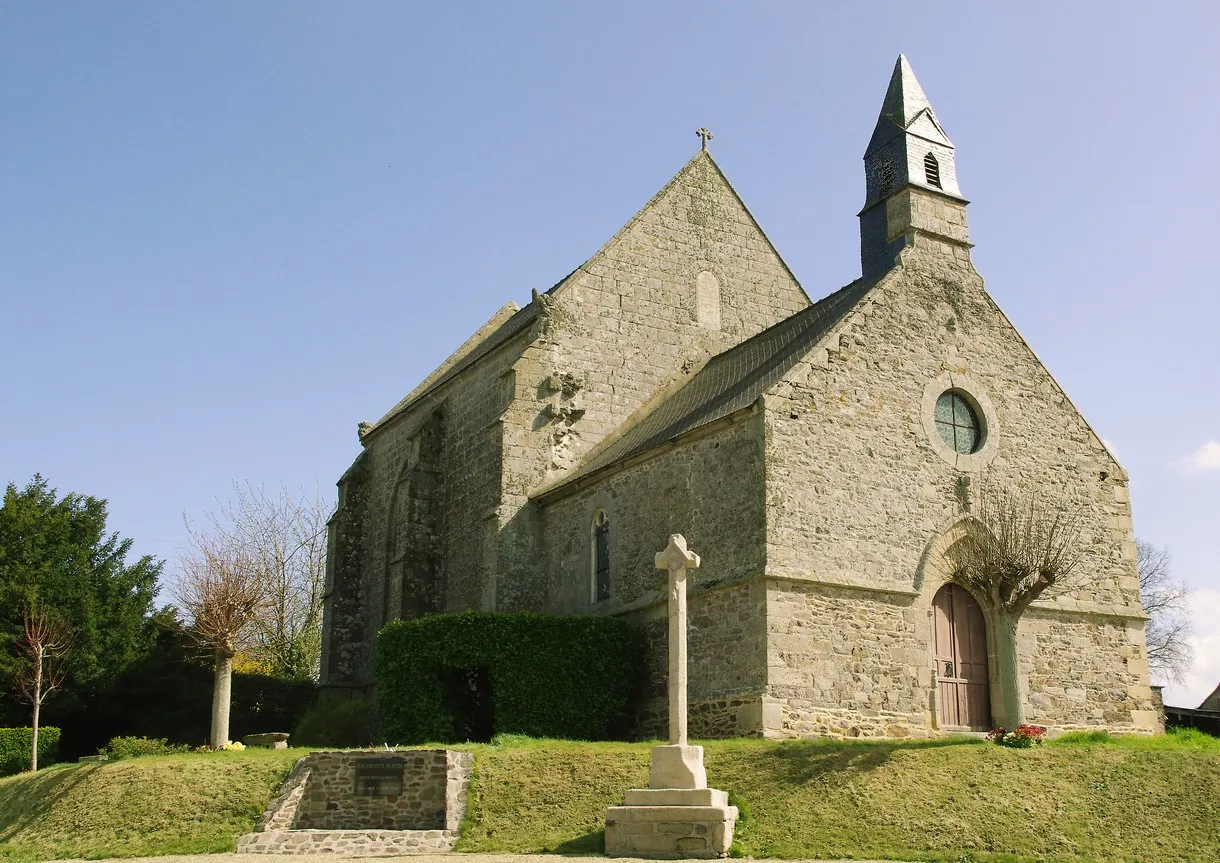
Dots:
pixel 136 747
pixel 15 748
pixel 346 724
pixel 1023 737
pixel 469 676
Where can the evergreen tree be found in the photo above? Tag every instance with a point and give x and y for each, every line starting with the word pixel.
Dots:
pixel 55 553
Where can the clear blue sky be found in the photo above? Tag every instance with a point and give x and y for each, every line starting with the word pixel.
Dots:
pixel 231 231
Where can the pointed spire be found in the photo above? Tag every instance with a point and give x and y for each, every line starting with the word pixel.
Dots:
pixel 909 154
pixel 904 98
pixel 904 107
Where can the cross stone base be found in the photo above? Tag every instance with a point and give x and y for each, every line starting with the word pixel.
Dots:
pixel 677 766
pixel 671 831
pixel 677 816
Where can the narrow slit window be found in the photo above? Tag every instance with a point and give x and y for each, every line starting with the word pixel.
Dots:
pixel 931 170
pixel 601 556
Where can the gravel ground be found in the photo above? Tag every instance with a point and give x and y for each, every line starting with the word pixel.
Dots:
pixel 414 858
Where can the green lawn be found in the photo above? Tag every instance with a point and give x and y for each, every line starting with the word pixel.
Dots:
pixel 1148 800
pixel 165 804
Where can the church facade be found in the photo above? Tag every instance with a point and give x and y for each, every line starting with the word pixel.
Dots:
pixel 819 456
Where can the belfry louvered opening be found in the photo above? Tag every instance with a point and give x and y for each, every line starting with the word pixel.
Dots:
pixel 885 178
pixel 931 170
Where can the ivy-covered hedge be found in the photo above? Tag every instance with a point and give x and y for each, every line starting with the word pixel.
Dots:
pixel 15 748
pixel 451 677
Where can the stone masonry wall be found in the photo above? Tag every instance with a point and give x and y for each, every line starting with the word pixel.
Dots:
pixel 847 663
pixel 859 486
pixel 323 809
pixel 624 327
pixel 686 490
pixel 332 800
pixel 344 645
pixel 710 490
pixel 688 276
pixel 1083 671
pixel 468 409
pixel 726 663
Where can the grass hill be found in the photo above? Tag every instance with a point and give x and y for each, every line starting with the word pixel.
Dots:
pixel 1123 799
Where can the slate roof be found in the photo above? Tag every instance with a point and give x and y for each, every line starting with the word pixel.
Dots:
pixel 732 380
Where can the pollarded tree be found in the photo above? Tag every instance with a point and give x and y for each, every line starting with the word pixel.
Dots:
pixel 1017 548
pixel 44 645
pixel 1166 601
pixel 221 590
pixel 285 535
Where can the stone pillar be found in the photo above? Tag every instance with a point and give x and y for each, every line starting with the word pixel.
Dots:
pixel 677 765
pixel 677 815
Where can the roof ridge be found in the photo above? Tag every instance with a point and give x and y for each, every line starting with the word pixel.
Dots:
pixel 516 324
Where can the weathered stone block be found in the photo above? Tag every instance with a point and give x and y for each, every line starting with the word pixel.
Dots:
pixel 675 797
pixel 670 831
pixel 677 766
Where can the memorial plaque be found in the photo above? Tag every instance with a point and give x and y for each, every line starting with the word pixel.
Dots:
pixel 380 778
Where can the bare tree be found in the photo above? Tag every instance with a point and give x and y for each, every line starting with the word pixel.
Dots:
pixel 1166 601
pixel 221 589
pixel 284 536
pixel 1017 549
pixel 44 643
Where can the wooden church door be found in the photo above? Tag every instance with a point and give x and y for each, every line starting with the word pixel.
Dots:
pixel 960 650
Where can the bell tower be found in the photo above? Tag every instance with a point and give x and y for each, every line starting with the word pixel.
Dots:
pixel 910 177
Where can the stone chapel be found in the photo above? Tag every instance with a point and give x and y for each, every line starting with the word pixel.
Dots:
pixel 817 455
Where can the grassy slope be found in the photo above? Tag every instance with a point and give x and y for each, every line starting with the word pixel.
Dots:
pixel 1138 801
pixel 1151 801
pixel 170 804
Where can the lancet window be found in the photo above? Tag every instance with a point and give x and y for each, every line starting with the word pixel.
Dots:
pixel 599 557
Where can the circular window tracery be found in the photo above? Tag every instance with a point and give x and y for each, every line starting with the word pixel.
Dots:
pixel 958 423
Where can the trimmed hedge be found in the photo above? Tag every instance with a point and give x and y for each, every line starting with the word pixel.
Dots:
pixel 15 748
pixel 522 673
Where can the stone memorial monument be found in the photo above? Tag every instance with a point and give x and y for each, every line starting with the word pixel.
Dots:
pixel 677 815
pixel 366 803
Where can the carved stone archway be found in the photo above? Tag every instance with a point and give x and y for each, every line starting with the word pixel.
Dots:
pixel 934 572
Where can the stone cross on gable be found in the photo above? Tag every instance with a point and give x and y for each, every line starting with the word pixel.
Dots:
pixel 705 135
pixel 677 560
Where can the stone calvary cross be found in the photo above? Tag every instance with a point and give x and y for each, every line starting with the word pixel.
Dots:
pixel 677 765
pixel 677 815
pixel 677 560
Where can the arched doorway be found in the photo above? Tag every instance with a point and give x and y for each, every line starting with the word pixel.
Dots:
pixel 959 635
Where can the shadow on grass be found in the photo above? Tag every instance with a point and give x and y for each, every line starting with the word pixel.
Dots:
pixel 36 796
pixel 801 761
pixel 590 843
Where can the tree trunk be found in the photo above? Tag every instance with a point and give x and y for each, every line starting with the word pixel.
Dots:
pixel 221 696
pixel 1012 708
pixel 37 709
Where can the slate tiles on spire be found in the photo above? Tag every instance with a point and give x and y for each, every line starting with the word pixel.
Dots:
pixel 906 109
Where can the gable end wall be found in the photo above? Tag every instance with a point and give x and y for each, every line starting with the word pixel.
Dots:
pixel 857 494
pixel 623 328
